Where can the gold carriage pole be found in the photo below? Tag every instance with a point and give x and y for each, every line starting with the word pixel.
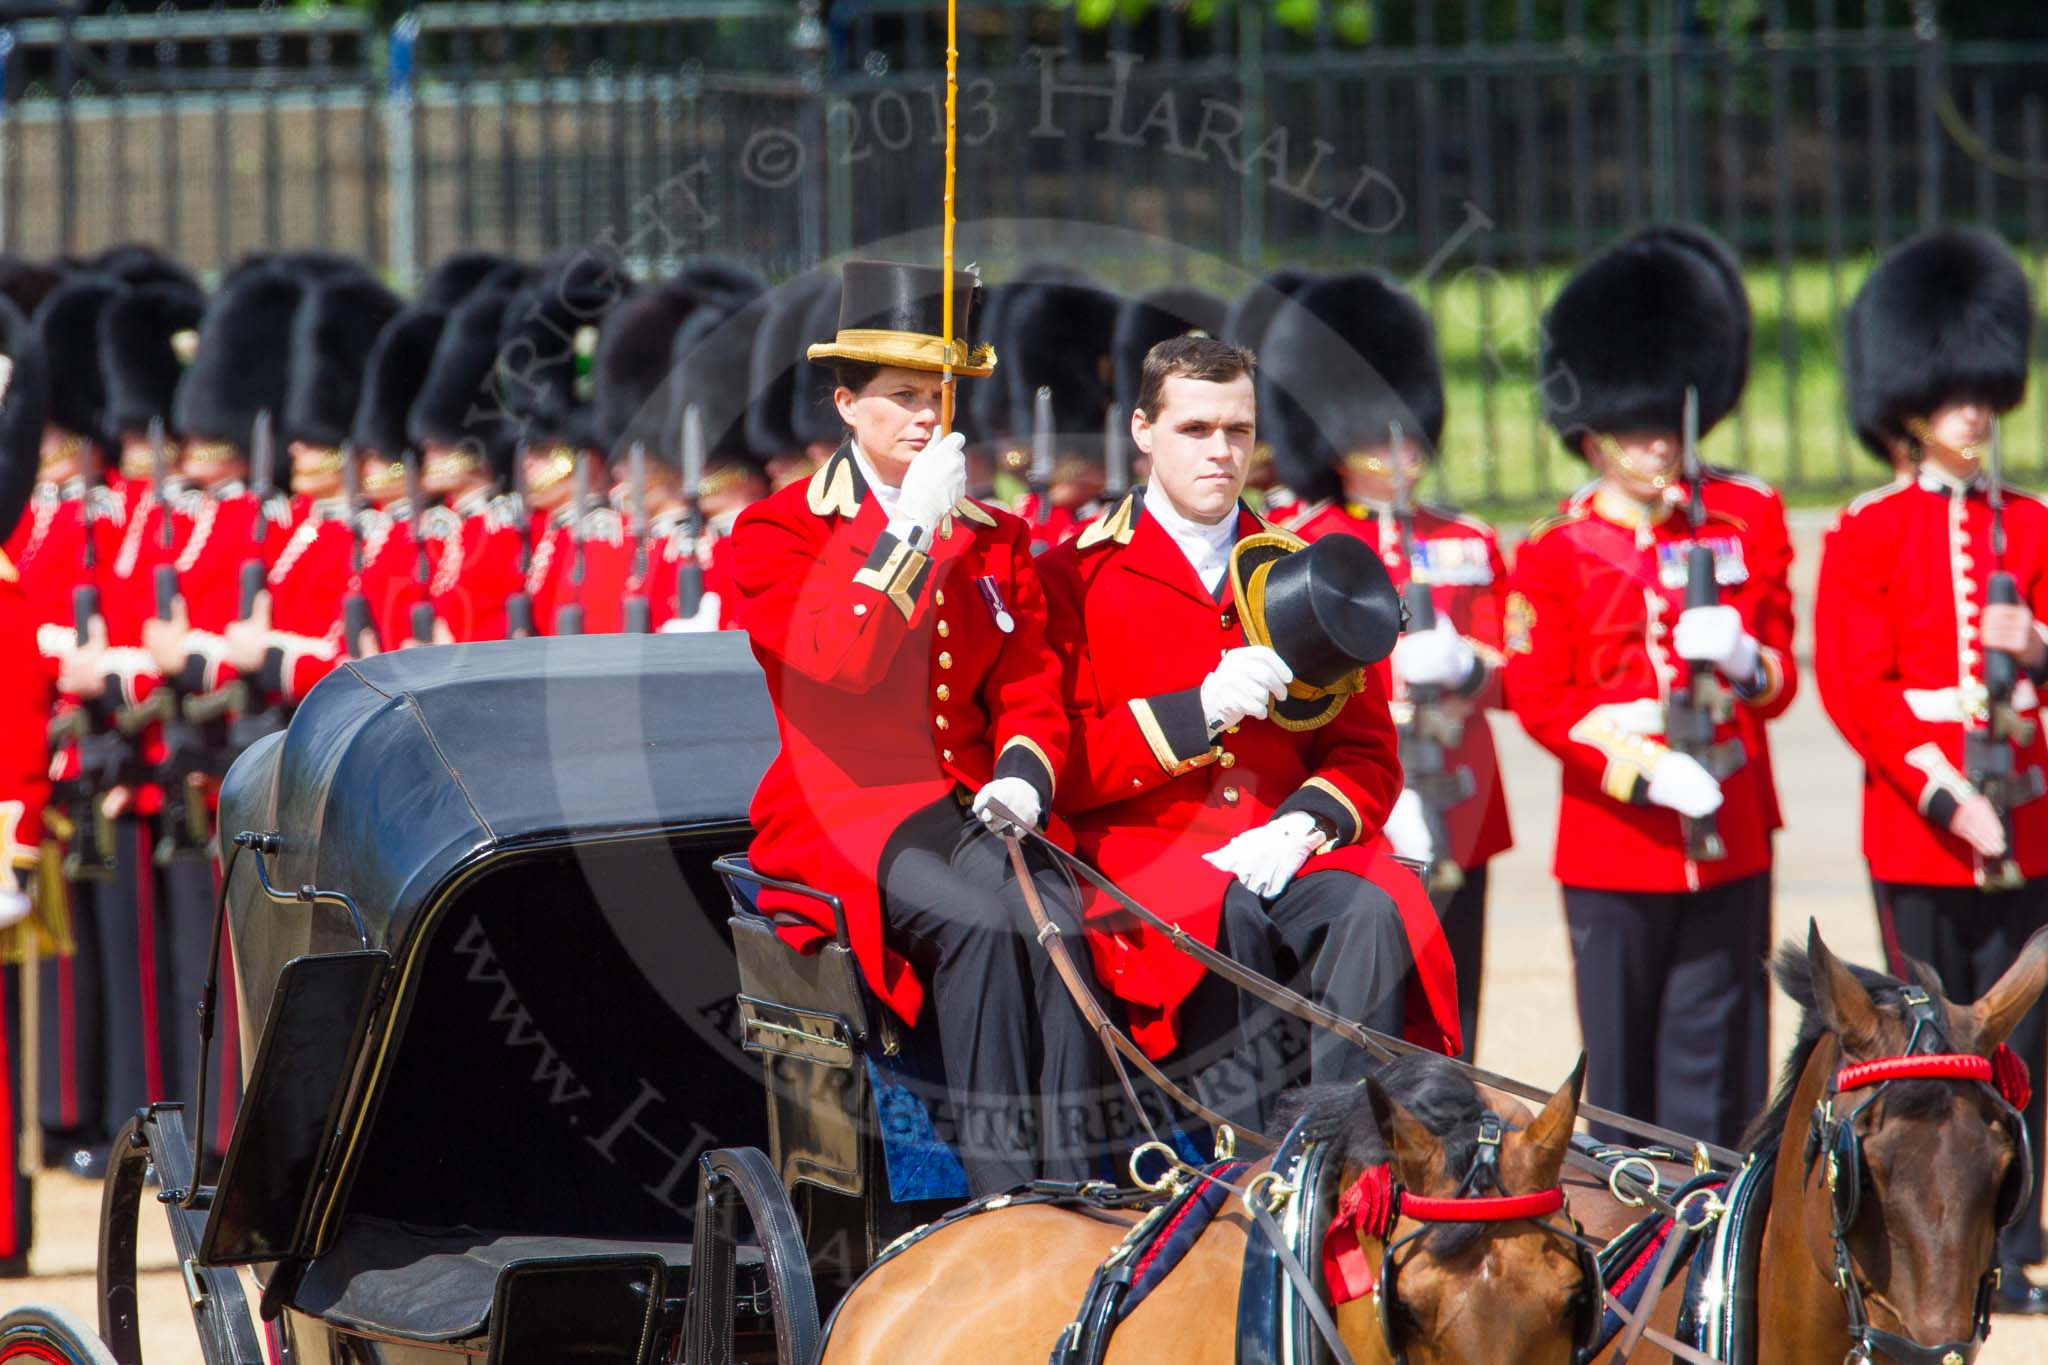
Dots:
pixel 947 382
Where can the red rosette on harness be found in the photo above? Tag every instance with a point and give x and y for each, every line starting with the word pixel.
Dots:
pixel 2009 1074
pixel 1365 1210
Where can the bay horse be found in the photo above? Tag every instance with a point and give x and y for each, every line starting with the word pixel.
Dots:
pixel 1898 1155
pixel 1001 1287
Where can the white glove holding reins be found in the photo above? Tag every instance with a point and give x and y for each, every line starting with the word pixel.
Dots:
pixel 1266 858
pixel 935 481
pixel 1014 793
pixel 1246 682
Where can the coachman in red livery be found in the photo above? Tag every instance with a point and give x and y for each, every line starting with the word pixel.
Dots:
pixel 902 630
pixel 1928 647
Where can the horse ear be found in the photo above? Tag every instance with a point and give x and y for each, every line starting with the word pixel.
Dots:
pixel 1550 1133
pixel 1843 1002
pixel 1416 1153
pixel 2014 994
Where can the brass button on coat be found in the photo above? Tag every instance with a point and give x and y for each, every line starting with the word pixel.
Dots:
pixel 945 692
pixel 944 630
pixel 945 659
pixel 1230 795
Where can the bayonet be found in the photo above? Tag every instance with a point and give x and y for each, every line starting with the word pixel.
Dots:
pixel 1430 728
pixel 1042 457
pixel 519 602
pixel 689 572
pixel 1693 712
pixel 1116 461
pixel 422 622
pixel 638 614
pixel 356 622
pixel 1988 756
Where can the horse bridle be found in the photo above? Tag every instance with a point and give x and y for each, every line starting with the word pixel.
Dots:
pixel 1835 1140
pixel 1374 1204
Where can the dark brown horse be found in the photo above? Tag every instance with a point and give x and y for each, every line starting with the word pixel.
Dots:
pixel 1920 1199
pixel 998 1288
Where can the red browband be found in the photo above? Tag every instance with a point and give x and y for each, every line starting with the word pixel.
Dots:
pixel 2003 1070
pixel 1371 1206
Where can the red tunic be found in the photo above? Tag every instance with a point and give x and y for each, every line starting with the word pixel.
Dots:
pixel 1461 557
pixel 894 687
pixel 1595 596
pixel 1768 557
pixel 478 567
pixel 25 701
pixel 1903 579
pixel 1148 795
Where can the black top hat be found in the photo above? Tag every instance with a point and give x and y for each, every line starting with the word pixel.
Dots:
pixel 24 407
pixel 1947 316
pixel 1327 608
pixel 334 334
pixel 1347 359
pixel 890 313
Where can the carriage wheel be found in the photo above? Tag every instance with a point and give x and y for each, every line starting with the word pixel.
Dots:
pixel 49 1336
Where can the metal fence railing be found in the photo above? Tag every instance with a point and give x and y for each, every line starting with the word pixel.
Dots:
pixel 1474 149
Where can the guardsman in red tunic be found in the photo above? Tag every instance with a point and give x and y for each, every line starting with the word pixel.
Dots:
pixel 902 630
pixel 1919 613
pixel 1224 793
pixel 464 435
pixel 1667 929
pixel 25 702
pixel 1350 361
pixel 1767 552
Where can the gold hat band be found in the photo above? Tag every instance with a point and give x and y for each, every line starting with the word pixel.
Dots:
pixel 906 350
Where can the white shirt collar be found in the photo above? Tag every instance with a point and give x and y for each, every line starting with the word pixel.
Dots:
pixel 1207 547
pixel 883 493
pixel 1935 479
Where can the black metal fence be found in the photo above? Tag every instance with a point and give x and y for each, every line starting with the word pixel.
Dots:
pixel 1474 149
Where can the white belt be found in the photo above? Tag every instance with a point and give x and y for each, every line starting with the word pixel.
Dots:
pixel 1946 705
pixel 1643 717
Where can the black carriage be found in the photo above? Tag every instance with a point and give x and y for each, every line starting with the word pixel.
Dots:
pixel 520 1050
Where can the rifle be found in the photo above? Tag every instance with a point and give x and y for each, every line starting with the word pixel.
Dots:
pixel 1116 457
pixel 1692 713
pixel 356 620
pixel 639 615
pixel 88 854
pixel 162 704
pixel 422 624
pixel 689 572
pixel 1430 728
pixel 1042 459
pixel 569 616
pixel 519 603
pixel 248 726
pixel 1988 759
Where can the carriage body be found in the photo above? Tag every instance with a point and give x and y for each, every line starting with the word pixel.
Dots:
pixel 497 1074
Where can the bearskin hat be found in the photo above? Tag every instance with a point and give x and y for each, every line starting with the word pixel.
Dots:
pixel 67 328
pixel 146 336
pixel 459 404
pixel 727 284
pixel 244 361
pixel 1631 332
pixel 634 361
pixel 713 356
pixel 393 374
pixel 547 350
pixel 1143 323
pixel 1715 252
pixel 1947 316
pixel 1349 357
pixel 454 278
pixel 26 284
pixel 1251 313
pixel 333 335
pixel 1058 335
pixel 137 264
pixel 24 410
pixel 813 418
pixel 779 364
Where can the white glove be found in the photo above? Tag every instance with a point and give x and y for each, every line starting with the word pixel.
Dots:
pixel 1265 859
pixel 936 479
pixel 1714 635
pixel 1019 796
pixel 1681 784
pixel 703 620
pixel 1245 683
pixel 14 902
pixel 1407 829
pixel 1434 658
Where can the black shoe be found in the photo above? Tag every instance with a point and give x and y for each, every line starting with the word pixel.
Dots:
pixel 14 1267
pixel 2019 1296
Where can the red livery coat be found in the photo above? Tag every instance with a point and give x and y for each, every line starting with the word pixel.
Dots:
pixel 1595 595
pixel 894 687
pixel 1148 794
pixel 1903 580
pixel 25 702
pixel 1767 554
pixel 1469 586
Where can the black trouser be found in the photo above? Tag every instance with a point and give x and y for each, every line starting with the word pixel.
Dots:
pixel 1969 937
pixel 1464 921
pixel 70 1011
pixel 1674 1005
pixel 14 1240
pixel 1022 1068
pixel 1331 936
